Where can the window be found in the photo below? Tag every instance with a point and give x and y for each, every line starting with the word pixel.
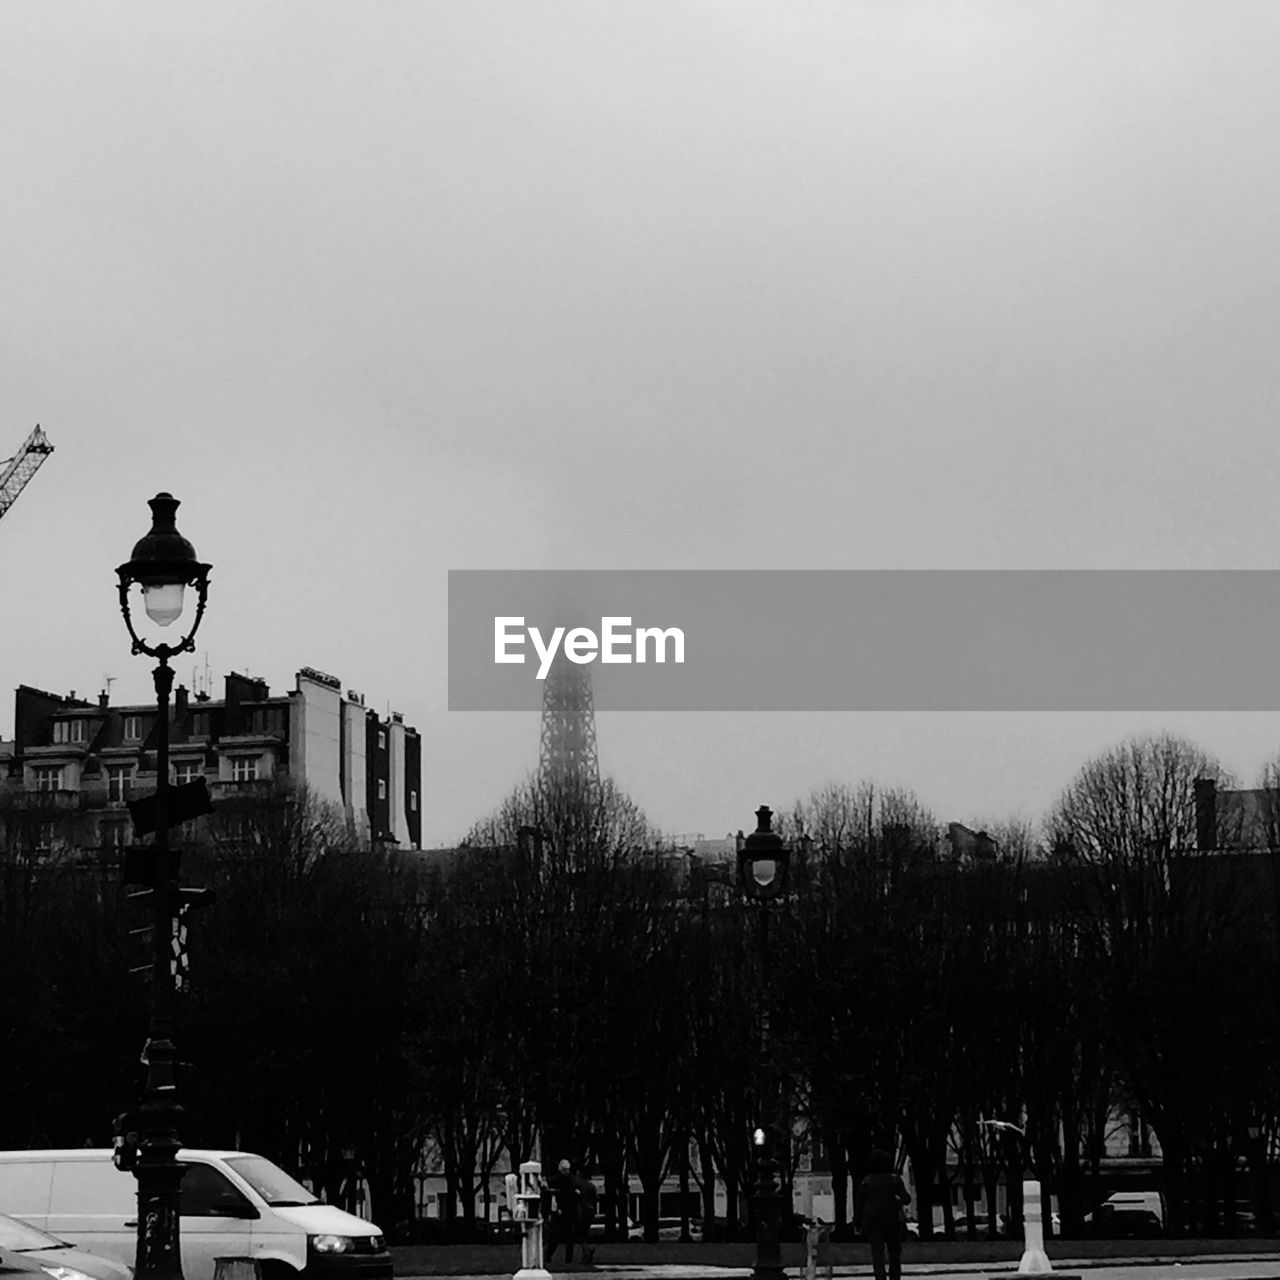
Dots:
pixel 382 788
pixel 69 731
pixel 244 768
pixel 47 777
pixel 413 802
pixel 200 724
pixel 118 779
pixel 132 728
pixel 382 739
pixel 208 1193
pixel 114 835
pixel 268 720
pixel 185 771
pixel 233 829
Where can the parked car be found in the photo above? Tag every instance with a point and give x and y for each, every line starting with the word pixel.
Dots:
pixel 631 1231
pixel 1130 1215
pixel 1054 1223
pixel 981 1225
pixel 673 1228
pixel 57 1257
pixel 19 1266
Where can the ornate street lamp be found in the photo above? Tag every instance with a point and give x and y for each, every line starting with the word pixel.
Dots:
pixel 763 860
pixel 163 565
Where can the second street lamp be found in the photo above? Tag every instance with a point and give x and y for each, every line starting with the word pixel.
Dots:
pixel 163 565
pixel 763 860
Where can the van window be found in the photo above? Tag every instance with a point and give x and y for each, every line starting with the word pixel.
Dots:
pixel 24 1187
pixel 92 1187
pixel 203 1187
pixel 271 1182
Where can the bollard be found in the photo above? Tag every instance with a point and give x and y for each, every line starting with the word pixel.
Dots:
pixel 1034 1259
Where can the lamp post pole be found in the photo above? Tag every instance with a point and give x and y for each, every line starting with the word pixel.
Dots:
pixel 762 870
pixel 163 564
pixel 158 1172
pixel 768 1206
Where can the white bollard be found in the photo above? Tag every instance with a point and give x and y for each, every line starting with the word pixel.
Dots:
pixel 1034 1259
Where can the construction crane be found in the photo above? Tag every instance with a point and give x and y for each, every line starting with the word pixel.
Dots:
pixel 22 466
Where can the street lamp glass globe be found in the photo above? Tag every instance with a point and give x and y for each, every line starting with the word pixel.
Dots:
pixel 163 602
pixel 763 871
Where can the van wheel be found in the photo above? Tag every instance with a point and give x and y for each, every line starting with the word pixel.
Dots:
pixel 279 1271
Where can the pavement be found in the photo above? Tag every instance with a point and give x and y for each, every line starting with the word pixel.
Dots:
pixel 1233 1266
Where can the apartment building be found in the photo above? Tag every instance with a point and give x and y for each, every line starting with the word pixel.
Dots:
pixel 91 757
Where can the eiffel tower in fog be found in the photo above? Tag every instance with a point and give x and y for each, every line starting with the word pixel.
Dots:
pixel 568 748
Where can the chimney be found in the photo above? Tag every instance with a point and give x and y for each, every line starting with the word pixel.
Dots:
pixel 103 700
pixel 180 699
pixel 1206 814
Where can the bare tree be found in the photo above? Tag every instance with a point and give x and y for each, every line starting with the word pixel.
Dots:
pixel 1170 933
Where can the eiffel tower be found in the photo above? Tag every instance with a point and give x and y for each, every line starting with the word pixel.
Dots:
pixel 568 748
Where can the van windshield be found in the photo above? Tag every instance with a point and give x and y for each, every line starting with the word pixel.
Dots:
pixel 275 1186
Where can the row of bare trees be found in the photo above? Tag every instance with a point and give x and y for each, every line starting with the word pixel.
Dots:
pixel 567 983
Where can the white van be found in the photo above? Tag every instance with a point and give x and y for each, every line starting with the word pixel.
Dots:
pixel 234 1205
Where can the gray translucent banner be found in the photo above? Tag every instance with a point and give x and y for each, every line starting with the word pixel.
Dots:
pixel 868 640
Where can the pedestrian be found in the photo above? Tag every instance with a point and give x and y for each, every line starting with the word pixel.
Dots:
pixel 563 1227
pixel 879 1210
pixel 586 1212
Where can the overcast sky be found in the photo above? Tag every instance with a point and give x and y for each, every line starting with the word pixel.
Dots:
pixel 381 290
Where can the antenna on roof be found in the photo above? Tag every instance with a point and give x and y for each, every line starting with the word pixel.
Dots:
pixel 202 682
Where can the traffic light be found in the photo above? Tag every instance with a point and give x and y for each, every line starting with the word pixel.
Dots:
pixel 124 1154
pixel 188 899
pixel 184 899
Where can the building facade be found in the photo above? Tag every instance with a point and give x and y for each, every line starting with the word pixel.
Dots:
pixel 90 758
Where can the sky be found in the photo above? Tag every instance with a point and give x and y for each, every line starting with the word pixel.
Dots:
pixel 380 291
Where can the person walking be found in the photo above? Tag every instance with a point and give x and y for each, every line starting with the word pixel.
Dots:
pixel 564 1219
pixel 879 1207
pixel 586 1213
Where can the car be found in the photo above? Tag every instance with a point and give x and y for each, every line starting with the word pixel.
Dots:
pixel 21 1267
pixel 981 1223
pixel 1055 1224
pixel 56 1257
pixel 1124 1220
pixel 673 1229
pixel 596 1231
